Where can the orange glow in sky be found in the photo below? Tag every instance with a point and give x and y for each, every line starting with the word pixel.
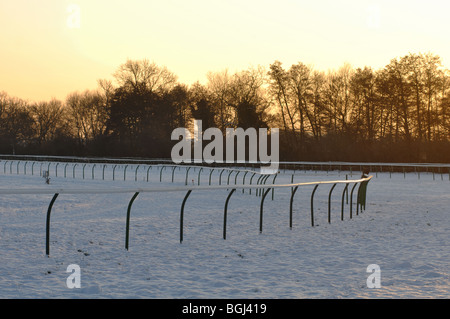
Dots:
pixel 51 48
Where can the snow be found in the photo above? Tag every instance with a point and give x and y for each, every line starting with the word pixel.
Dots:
pixel 404 229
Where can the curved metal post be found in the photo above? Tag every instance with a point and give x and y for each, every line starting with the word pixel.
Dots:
pixel 292 182
pixel 160 173
pixel 4 167
pixel 187 173
pixel 48 167
pixel 243 177
pixel 148 169
pixel 135 173
pixel 273 182
pixel 127 230
pixel 329 204
pixel 125 173
pixel 199 172
pixel 173 172
pixel 65 170
pixel 83 169
pixel 290 206
pixel 312 205
pixel 220 177
pixel 47 229
pixel 258 190
pixel 346 196
pixel 263 181
pixel 93 167
pixel 362 192
pixel 103 172
pixel 351 199
pixel 342 204
pixel 261 210
pixel 10 167
pixel 364 196
pixel 251 178
pixel 235 177
pixel 225 214
pixel 182 214
pixel 114 171
pixel 25 168
pixel 243 181
pixel 17 168
pixel 210 173
pixel 228 180
pixel 32 168
pixel 56 169
pixel 358 196
pixel 74 169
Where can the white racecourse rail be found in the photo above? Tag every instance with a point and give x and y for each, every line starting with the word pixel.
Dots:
pixel 136 190
pixel 97 190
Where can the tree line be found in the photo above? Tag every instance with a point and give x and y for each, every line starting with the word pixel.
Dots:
pixel 399 113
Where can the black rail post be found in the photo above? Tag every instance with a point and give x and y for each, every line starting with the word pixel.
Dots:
pixel 261 210
pixel 351 200
pixel 148 169
pixel 47 232
pixel 225 213
pixel 243 180
pixel 312 205
pixel 294 190
pixel 359 197
pixel 228 180
pixel 182 214
pixel 160 173
pixel 210 173
pixel 199 172
pixel 173 172
pixel 220 176
pixel 251 178
pixel 329 204
pixel 258 191
pixel 342 205
pixel 273 182
pixel 187 174
pixel 135 173
pixel 127 231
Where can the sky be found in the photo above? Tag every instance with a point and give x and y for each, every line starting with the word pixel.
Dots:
pixel 51 48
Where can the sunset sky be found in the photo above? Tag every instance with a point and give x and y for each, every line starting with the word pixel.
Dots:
pixel 46 51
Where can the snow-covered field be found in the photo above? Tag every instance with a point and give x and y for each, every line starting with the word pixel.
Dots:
pixel 405 230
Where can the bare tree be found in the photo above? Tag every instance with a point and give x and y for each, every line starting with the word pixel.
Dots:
pixel 300 88
pixel 89 113
pixel 364 100
pixel 107 90
pixel 219 86
pixel 202 106
pixel 247 97
pixel 338 98
pixel 48 118
pixel 279 90
pixel 16 124
pixel 433 77
pixel 140 76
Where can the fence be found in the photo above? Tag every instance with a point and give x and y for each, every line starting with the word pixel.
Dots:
pixel 261 189
pixel 436 169
pixel 53 167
